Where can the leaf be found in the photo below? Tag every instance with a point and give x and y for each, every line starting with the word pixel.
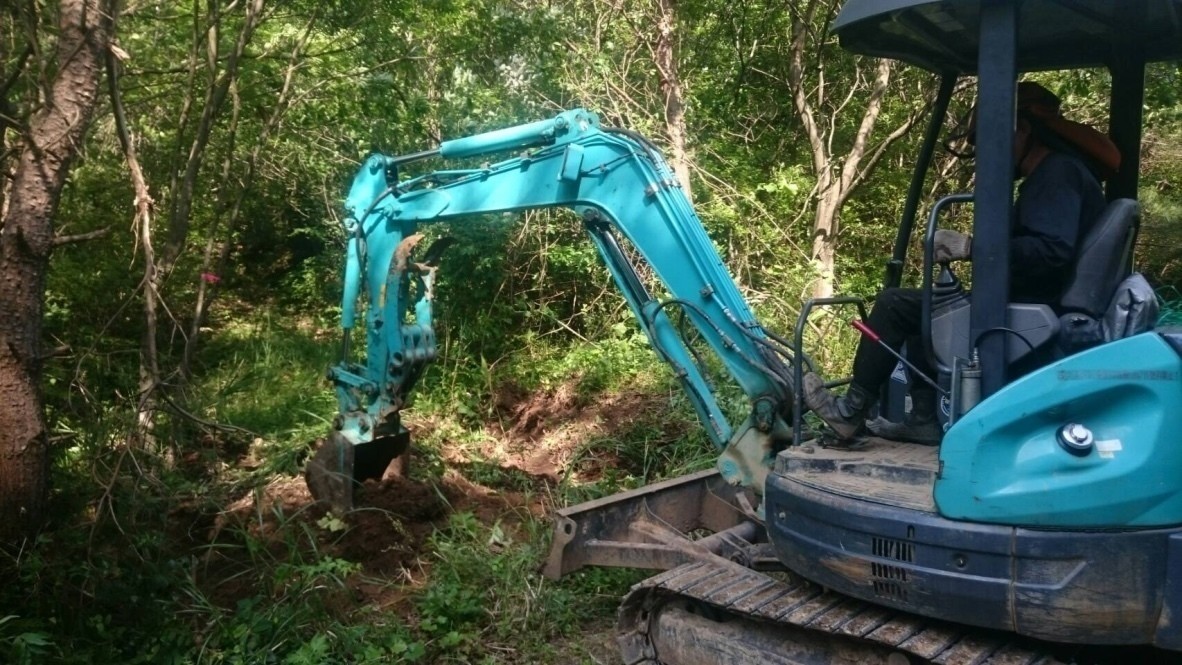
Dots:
pixel 497 540
pixel 34 639
pixel 331 523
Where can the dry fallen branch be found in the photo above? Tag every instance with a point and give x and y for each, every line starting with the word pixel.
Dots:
pixel 60 240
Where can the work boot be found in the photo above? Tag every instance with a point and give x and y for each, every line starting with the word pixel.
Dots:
pixel 919 426
pixel 846 414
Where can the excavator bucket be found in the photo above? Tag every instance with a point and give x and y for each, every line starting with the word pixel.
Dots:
pixel 339 466
pixel 370 460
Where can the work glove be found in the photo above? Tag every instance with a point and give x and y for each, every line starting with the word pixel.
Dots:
pixel 951 246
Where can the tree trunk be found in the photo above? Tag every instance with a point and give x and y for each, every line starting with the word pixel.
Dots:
pixel 215 97
pixel 666 61
pixel 207 288
pixel 142 225
pixel 832 192
pixel 55 132
pixel 824 256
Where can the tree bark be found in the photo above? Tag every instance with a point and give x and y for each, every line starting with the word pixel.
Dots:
pixel 666 61
pixel 54 135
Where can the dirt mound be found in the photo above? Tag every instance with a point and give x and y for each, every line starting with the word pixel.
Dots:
pixel 557 433
pixel 386 534
pixel 393 519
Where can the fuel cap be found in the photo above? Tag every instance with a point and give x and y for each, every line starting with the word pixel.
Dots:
pixel 1076 439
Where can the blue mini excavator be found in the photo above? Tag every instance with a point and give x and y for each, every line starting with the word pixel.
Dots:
pixel 1046 527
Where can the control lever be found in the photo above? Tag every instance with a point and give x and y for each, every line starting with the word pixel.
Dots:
pixel 873 336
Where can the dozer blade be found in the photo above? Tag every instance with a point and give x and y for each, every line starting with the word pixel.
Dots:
pixel 647 527
pixel 339 466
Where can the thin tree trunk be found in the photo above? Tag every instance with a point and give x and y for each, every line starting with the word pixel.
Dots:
pixel 211 270
pixel 158 266
pixel 666 61
pixel 207 288
pixel 215 97
pixel 837 176
pixel 833 195
pixel 824 256
pixel 149 358
pixel 54 135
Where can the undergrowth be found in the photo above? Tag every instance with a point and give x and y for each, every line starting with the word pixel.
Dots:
pixel 181 553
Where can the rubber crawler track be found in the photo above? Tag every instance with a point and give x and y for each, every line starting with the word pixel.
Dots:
pixel 791 600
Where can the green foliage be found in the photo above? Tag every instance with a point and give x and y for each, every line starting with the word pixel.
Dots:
pixel 121 595
pixel 22 645
pixel 486 601
pixel 269 589
pixel 146 601
pixel 509 275
pixel 292 620
pixel 288 361
pixel 595 368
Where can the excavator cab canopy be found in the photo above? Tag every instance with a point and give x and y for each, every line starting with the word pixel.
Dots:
pixel 944 36
pixel 996 40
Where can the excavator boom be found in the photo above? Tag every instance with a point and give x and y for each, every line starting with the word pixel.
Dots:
pixel 625 193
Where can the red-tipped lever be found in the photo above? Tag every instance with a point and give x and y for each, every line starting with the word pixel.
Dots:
pixel 869 333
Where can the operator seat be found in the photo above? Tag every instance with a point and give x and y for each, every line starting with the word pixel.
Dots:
pixel 1103 261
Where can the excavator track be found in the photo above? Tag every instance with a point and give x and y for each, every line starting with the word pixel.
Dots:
pixel 717 611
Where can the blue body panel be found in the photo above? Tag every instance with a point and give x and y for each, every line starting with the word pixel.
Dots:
pixel 1002 463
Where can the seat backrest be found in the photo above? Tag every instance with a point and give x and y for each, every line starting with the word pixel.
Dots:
pixel 1104 259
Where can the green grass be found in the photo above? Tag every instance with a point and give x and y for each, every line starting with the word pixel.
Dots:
pixel 268 380
pixel 485 601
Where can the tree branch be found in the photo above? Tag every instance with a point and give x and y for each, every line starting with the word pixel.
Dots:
pixel 17 69
pixel 59 240
pixel 898 133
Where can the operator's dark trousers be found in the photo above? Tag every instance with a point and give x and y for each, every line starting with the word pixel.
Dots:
pixel 896 318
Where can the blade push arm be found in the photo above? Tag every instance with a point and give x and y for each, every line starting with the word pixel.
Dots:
pixel 621 186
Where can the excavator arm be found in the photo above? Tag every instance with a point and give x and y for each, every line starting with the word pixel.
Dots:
pixel 620 185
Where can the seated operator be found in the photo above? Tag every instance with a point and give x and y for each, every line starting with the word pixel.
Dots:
pixel 1058 201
